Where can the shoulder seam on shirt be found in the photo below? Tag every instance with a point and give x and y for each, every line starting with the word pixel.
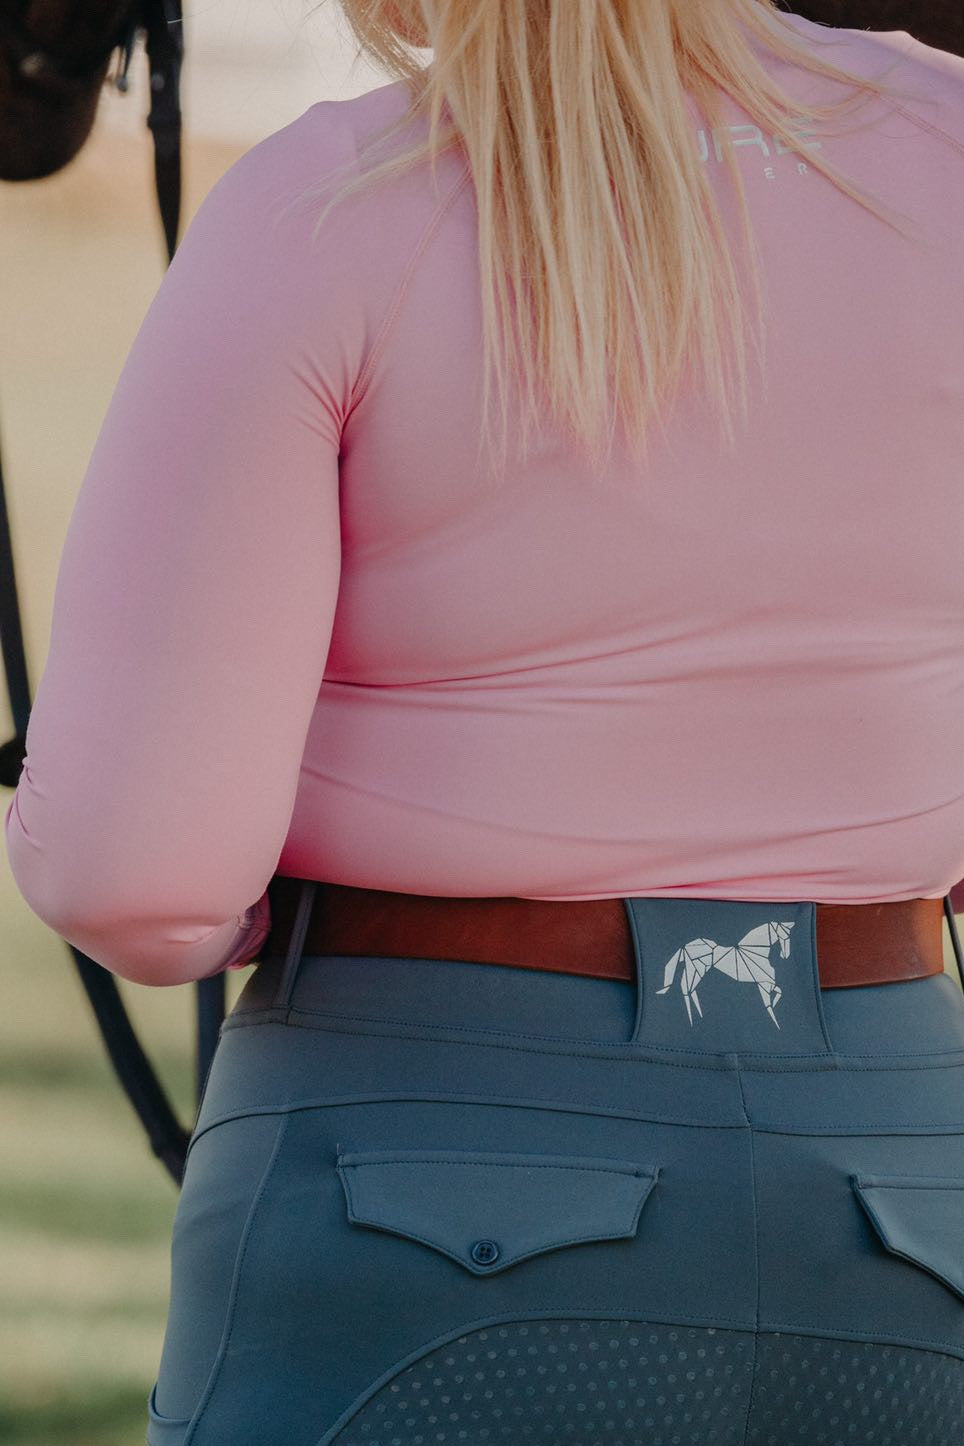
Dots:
pixel 910 48
pixel 930 126
pixel 378 346
pixel 364 378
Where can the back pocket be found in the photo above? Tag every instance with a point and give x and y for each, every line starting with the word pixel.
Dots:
pixel 919 1218
pixel 488 1211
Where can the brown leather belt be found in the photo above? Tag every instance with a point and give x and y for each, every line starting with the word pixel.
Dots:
pixel 856 943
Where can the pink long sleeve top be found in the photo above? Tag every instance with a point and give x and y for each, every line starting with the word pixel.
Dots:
pixel 294 632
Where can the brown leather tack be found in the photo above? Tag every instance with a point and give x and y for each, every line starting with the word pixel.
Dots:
pixel 856 943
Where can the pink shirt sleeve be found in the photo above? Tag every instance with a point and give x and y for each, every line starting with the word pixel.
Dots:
pixel 196 592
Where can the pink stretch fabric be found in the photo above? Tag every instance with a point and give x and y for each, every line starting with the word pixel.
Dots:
pixel 293 632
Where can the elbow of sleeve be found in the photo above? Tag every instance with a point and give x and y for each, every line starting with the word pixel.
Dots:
pixel 159 940
pixel 155 951
pixel 160 949
pixel 53 898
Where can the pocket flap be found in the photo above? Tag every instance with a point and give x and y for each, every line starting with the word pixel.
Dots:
pixel 488 1211
pixel 921 1218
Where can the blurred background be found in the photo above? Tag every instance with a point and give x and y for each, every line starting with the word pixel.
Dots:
pixel 85 1208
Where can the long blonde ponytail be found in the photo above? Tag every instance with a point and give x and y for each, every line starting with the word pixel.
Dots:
pixel 597 219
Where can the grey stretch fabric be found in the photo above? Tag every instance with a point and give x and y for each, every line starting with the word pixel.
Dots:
pixel 442 1203
pixel 625 1383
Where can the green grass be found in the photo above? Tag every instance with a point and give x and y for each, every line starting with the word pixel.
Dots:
pixel 107 1420
pixel 85 1208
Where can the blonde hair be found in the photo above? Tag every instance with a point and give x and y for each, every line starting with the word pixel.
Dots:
pixel 594 205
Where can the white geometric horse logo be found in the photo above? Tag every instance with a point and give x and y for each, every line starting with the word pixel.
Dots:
pixel 749 960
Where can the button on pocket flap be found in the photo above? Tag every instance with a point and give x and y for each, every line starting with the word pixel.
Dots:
pixel 488 1211
pixel 919 1217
